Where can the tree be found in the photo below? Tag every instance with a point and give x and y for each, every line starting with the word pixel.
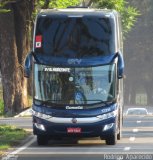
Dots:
pixel 139 57
pixel 15 43
pixel 16 17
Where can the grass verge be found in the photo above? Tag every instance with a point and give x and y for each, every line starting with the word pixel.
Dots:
pixel 10 136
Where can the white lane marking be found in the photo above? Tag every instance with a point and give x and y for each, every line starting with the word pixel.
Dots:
pixel 138 121
pixel 23 147
pixel 132 139
pixel 86 151
pixel 127 148
pixel 65 153
pixel 135 130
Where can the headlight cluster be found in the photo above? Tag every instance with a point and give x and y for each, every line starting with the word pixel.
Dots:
pixel 40 115
pixel 107 115
pixel 40 126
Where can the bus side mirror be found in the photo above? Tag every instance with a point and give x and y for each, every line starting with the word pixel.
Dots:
pixel 120 65
pixel 28 65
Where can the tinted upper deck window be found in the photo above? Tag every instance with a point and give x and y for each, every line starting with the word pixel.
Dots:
pixel 75 37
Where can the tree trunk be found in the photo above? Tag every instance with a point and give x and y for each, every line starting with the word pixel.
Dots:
pixel 14 45
pixel 149 90
pixel 132 94
pixel 9 65
pixel 23 23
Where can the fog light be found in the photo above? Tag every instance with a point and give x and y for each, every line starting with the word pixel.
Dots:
pixel 108 126
pixel 40 126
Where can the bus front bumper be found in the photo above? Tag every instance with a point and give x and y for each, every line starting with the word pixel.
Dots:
pixel 102 128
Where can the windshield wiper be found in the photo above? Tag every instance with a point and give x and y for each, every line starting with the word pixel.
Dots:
pixel 41 102
pixel 101 101
pixel 51 102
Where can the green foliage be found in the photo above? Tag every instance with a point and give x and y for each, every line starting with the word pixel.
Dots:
pixel 41 3
pixel 10 136
pixel 4 10
pixel 56 3
pixel 48 4
pixel 129 18
pixel 128 13
pixel 63 3
pixel 1 100
pixel 1 107
pixel 2 5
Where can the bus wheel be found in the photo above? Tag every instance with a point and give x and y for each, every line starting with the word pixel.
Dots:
pixel 112 139
pixel 42 140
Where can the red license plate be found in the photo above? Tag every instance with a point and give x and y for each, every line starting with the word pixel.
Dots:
pixel 73 130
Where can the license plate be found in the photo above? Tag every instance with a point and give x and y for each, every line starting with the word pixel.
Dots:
pixel 73 130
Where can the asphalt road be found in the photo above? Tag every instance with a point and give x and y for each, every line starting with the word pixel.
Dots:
pixel 25 123
pixel 137 143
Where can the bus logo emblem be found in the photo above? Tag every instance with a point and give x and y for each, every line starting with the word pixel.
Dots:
pixel 74 61
pixel 74 120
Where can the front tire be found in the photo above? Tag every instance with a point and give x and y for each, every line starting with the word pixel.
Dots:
pixel 112 139
pixel 42 140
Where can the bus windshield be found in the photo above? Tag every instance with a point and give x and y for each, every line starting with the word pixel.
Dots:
pixel 72 86
pixel 74 37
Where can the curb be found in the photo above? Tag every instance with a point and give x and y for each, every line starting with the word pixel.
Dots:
pixel 26 113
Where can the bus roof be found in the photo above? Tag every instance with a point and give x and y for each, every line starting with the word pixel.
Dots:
pixel 77 12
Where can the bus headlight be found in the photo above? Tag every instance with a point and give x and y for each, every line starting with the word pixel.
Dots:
pixel 107 115
pixel 108 126
pixel 40 126
pixel 40 115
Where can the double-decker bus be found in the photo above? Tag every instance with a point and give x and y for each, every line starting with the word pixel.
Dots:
pixel 77 65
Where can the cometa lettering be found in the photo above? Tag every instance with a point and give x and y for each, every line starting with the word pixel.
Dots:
pixel 57 69
pixel 76 107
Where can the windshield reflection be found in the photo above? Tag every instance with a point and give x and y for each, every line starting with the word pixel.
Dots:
pixel 88 85
pixel 75 36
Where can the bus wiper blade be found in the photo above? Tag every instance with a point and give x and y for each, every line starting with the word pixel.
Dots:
pixel 46 102
pixel 101 101
pixel 51 102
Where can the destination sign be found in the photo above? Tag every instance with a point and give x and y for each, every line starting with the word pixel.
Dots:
pixel 52 69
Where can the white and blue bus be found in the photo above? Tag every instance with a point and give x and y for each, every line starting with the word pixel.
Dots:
pixel 77 65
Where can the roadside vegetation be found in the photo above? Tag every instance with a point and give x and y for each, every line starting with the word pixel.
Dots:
pixel 1 107
pixel 1 101
pixel 10 136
